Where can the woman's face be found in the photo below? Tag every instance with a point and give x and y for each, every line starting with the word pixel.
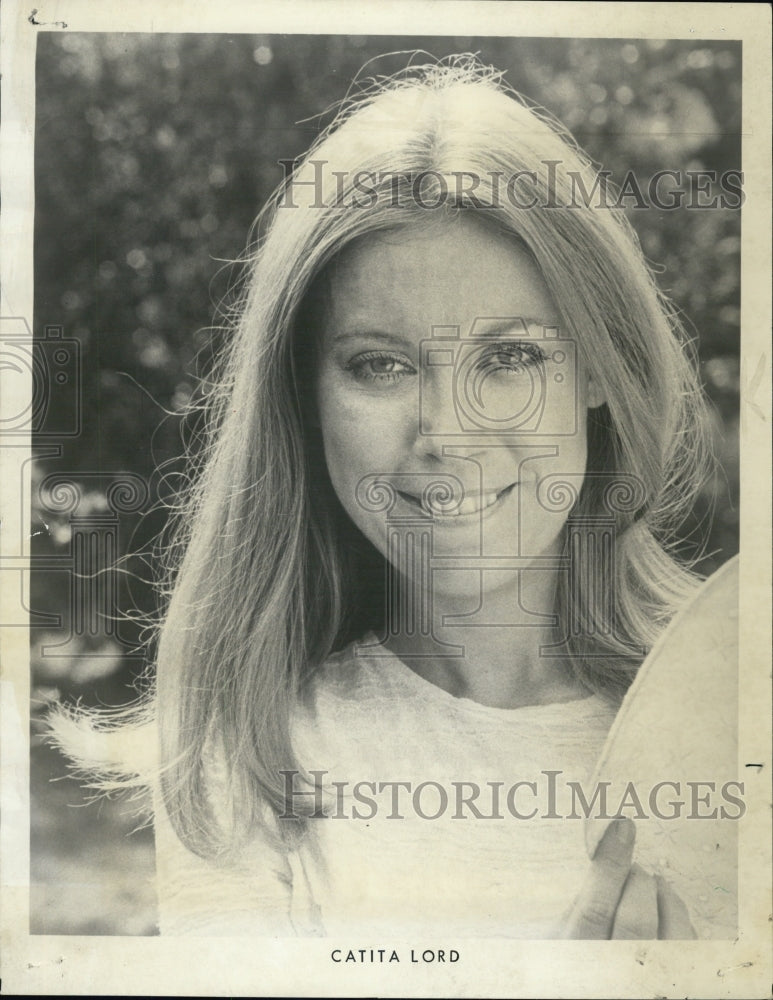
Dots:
pixel 443 361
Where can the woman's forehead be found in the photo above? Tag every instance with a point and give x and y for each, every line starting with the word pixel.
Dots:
pixel 444 230
pixel 452 272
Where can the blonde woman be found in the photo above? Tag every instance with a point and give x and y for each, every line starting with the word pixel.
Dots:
pixel 428 547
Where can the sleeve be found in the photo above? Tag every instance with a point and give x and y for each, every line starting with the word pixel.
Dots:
pixel 205 898
pixel 201 897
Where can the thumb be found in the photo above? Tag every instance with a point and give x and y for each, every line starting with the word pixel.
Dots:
pixel 593 913
pixel 616 846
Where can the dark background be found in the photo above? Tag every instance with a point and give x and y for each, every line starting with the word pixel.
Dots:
pixel 153 155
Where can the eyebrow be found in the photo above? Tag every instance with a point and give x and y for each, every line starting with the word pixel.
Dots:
pixel 372 334
pixel 502 328
pixel 513 324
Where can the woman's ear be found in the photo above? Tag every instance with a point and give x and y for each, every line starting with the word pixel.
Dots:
pixel 595 395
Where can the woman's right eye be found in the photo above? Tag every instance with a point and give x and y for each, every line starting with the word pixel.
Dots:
pixel 376 366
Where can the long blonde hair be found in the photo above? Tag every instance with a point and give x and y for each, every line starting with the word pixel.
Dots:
pixel 265 578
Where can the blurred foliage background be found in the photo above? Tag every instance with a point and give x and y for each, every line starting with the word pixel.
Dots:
pixel 153 155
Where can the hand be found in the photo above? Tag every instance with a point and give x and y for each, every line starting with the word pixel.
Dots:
pixel 620 900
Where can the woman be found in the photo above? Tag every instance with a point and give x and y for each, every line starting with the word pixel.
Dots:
pixel 428 546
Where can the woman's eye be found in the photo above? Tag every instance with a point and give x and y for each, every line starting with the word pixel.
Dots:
pixel 512 357
pixel 376 367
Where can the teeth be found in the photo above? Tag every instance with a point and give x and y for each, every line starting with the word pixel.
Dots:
pixel 470 505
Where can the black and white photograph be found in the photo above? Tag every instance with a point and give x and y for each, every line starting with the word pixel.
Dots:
pixel 386 500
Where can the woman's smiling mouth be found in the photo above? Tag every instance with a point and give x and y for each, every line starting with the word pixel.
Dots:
pixel 469 508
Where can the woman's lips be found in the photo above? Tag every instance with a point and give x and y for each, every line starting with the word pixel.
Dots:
pixel 472 504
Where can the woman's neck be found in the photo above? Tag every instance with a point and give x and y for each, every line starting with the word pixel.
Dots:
pixel 489 638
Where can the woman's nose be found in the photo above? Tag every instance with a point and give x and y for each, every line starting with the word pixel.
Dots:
pixel 438 407
pixel 439 430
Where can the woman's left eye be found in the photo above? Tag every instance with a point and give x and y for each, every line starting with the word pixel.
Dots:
pixel 511 357
pixel 375 366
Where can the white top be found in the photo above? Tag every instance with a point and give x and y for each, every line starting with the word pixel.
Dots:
pixel 499 858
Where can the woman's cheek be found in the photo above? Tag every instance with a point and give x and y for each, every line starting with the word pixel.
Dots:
pixel 361 438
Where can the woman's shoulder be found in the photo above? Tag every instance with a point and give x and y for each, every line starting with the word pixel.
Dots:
pixel 366 674
pixel 366 683
pixel 352 675
pixel 357 693
pixel 341 693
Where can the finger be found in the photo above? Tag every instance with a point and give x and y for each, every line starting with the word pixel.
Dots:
pixel 636 917
pixel 674 922
pixel 594 911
